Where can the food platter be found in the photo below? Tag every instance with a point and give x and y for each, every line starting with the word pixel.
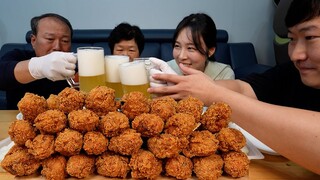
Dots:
pixel 251 151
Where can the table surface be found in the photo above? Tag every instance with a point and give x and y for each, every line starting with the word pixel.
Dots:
pixel 271 167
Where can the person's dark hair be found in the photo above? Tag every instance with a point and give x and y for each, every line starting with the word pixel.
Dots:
pixel 200 25
pixel 35 21
pixel 125 31
pixel 301 11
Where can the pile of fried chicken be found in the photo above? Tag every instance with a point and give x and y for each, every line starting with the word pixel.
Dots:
pixel 77 134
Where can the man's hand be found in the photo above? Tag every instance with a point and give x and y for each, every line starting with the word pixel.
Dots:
pixel 195 83
pixel 54 66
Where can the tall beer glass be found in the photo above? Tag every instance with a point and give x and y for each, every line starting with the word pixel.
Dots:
pixel 133 76
pixel 91 67
pixel 112 73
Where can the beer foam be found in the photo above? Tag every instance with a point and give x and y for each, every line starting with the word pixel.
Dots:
pixel 90 61
pixel 112 67
pixel 133 73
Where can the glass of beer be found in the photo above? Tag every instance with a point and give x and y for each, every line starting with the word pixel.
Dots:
pixel 91 67
pixel 133 76
pixel 112 73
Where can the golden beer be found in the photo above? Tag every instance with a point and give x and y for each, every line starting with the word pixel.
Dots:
pixel 134 77
pixel 117 87
pixel 142 88
pixel 89 82
pixel 91 67
pixel 112 72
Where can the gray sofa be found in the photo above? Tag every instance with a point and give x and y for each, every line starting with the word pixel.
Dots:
pixel 158 43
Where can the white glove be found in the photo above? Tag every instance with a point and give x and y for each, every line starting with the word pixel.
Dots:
pixel 54 66
pixel 159 66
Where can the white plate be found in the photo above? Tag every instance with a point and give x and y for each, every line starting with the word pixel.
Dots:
pixel 5 146
pixel 19 116
pixel 253 153
pixel 262 147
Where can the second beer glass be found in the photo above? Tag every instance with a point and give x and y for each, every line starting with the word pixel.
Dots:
pixel 134 77
pixel 112 73
pixel 91 67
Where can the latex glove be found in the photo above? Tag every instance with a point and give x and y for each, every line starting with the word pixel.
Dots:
pixel 159 66
pixel 54 66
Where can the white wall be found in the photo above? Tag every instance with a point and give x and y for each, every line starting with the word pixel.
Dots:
pixel 245 20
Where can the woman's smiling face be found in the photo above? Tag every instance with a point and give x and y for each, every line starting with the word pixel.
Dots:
pixel 185 51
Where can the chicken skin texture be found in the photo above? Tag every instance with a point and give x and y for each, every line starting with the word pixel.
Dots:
pixel 69 142
pixel 41 147
pixel 83 120
pixel 19 162
pixel 70 99
pixel 179 167
pixel 216 117
pixel 95 143
pixel 112 165
pixel 148 125
pixel 20 131
pixel 164 107
pixel 144 164
pixel 134 104
pixel 30 105
pixel 113 124
pixel 54 168
pixel 192 106
pixel 101 100
pixel 51 121
pixel 80 166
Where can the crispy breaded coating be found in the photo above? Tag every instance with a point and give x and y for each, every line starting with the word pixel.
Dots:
pixel 83 120
pixel 19 162
pixel 54 168
pixel 192 106
pixel 69 142
pixel 164 146
pixel 80 166
pixel 126 143
pixel 179 167
pixel 231 140
pixel 71 99
pixel 148 125
pixel 41 147
pixel 31 105
pixel 51 121
pixel 113 124
pixel 216 117
pixel 209 167
pixel 20 131
pixel 180 124
pixel 95 143
pixel 101 100
pixel 77 133
pixel 112 165
pixel 164 107
pixel 53 101
pixel 201 143
pixel 144 164
pixel 134 104
pixel 236 164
